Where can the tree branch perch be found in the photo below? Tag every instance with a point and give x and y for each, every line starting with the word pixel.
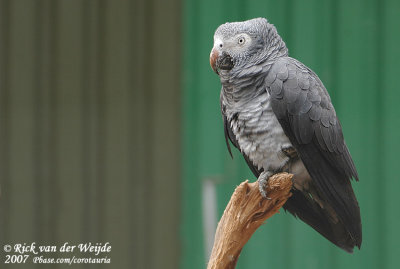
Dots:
pixel 246 211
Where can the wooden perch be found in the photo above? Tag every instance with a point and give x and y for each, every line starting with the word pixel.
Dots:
pixel 245 212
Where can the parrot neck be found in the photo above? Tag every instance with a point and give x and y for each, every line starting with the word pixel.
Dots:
pixel 237 92
pixel 276 46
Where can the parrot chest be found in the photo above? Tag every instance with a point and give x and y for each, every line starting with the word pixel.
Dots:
pixel 259 134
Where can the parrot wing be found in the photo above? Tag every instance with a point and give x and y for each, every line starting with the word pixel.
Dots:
pixel 304 109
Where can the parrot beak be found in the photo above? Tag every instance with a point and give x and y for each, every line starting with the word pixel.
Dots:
pixel 220 62
pixel 213 60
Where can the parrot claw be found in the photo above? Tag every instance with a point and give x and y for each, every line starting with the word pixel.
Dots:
pixel 263 182
pixel 290 152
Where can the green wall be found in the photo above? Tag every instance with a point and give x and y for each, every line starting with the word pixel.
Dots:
pixel 90 127
pixel 354 47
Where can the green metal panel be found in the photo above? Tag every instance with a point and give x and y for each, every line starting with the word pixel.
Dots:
pixel 353 47
pixel 390 125
pixel 89 127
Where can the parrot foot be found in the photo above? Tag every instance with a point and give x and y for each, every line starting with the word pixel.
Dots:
pixel 289 152
pixel 262 183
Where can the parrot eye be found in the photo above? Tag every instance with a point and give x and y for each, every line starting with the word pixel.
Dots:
pixel 241 40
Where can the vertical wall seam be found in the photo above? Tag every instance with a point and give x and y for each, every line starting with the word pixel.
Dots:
pixel 380 126
pixel 5 190
pixel 101 165
pixel 149 116
pixel 86 123
pixel 53 185
pixel 38 127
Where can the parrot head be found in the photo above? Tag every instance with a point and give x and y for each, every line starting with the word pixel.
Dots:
pixel 237 44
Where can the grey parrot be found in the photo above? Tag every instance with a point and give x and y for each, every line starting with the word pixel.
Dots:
pixel 277 112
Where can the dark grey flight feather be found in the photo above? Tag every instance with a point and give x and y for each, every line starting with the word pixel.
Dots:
pixel 263 75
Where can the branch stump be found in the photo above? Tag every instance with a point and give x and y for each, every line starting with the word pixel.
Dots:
pixel 246 211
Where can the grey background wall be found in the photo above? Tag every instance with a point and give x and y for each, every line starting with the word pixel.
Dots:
pixel 90 127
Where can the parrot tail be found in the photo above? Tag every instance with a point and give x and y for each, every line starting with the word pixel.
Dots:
pixel 323 220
